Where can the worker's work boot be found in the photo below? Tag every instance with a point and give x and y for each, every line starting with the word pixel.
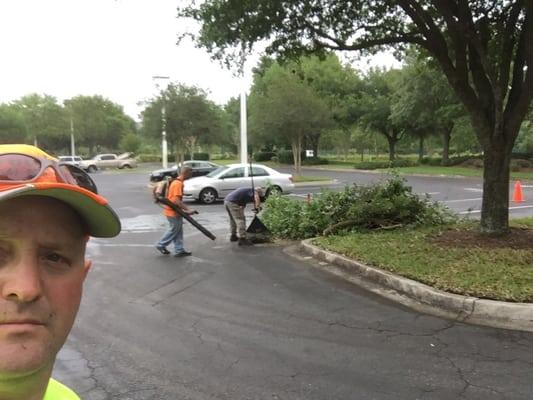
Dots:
pixel 245 242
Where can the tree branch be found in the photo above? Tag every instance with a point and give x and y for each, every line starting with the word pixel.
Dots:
pixel 340 45
pixel 456 33
pixel 509 41
pixel 521 89
pixel 473 36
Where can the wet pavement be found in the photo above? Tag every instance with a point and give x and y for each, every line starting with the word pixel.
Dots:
pixel 257 323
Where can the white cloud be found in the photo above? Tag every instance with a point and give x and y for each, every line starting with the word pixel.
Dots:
pixel 113 48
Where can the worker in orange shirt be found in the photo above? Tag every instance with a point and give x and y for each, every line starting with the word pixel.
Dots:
pixel 175 221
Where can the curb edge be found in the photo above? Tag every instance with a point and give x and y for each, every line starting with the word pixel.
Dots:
pixel 424 298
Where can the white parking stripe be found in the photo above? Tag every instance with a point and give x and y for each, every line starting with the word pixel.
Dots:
pixel 460 200
pixel 473 190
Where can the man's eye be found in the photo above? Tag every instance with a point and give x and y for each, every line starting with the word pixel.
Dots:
pixel 57 259
pixel 54 257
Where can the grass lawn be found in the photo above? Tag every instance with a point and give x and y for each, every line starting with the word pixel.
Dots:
pixel 462 171
pixel 421 169
pixel 499 269
pixel 225 162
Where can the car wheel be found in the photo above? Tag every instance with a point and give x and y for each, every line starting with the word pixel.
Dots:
pixel 273 189
pixel 92 168
pixel 208 196
pixel 127 166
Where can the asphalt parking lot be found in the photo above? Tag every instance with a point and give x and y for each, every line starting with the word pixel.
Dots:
pixel 258 323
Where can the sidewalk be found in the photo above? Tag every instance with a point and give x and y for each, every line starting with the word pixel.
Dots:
pixel 424 298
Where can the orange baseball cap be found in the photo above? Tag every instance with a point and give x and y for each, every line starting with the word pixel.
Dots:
pixel 94 209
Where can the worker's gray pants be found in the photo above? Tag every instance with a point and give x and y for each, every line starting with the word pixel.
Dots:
pixel 236 218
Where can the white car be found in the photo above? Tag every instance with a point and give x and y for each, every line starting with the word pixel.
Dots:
pixel 217 184
pixel 73 160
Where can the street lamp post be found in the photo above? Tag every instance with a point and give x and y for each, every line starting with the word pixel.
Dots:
pixel 72 143
pixel 164 148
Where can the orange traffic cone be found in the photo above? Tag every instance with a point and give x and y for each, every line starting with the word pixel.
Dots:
pixel 517 195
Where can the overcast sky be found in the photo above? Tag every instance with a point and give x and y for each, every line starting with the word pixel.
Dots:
pixel 108 47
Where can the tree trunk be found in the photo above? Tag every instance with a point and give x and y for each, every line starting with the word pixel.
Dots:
pixel 496 173
pixel 420 148
pixel 314 143
pixel 392 148
pixel 297 154
pixel 446 136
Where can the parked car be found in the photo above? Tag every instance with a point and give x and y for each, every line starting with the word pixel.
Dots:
pixel 199 168
pixel 217 184
pixel 73 160
pixel 102 161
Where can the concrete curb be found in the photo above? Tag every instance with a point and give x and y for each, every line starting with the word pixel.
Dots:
pixel 424 298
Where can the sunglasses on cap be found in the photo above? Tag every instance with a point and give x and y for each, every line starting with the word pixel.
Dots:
pixel 22 168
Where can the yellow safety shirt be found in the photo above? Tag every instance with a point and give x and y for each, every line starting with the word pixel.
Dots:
pixel 58 391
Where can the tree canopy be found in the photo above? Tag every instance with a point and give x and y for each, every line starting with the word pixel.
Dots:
pixel 287 108
pixel 190 118
pixel 98 121
pixel 482 46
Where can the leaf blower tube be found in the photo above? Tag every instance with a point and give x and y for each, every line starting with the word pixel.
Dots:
pixel 193 222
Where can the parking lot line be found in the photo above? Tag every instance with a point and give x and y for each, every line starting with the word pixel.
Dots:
pixel 461 200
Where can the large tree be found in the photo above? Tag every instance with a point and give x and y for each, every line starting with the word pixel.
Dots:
pixel 190 118
pixel 484 47
pixel 45 121
pixel 338 85
pixel 98 122
pixel 287 108
pixel 425 104
pixel 376 106
pixel 12 126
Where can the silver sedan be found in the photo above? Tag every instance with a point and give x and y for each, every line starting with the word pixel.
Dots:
pixel 217 184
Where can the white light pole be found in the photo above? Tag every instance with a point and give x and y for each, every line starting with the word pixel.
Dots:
pixel 244 137
pixel 164 149
pixel 72 144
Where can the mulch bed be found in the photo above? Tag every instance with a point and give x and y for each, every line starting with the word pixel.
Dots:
pixel 516 238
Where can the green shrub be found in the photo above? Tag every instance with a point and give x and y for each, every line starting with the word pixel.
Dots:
pixel 381 205
pixel 523 155
pixel 398 163
pixel 520 164
pixel 198 156
pixel 285 156
pixel 283 216
pixel 315 161
pixel 264 156
pixel 473 162
pixel 149 158
pixel 453 161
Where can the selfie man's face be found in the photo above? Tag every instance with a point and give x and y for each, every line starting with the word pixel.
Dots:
pixel 42 269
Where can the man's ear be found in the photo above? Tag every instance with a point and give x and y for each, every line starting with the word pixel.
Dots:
pixel 86 267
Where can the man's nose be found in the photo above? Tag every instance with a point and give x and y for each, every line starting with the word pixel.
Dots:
pixel 22 282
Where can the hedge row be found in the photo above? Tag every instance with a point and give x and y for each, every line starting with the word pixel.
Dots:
pixel 398 163
pixel 171 157
pixel 286 157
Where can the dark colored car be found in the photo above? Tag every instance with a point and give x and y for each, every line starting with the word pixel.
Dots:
pixel 199 168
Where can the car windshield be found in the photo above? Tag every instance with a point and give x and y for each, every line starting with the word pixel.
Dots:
pixel 217 171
